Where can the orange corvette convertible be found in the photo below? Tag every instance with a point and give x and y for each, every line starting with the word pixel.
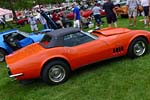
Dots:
pixel 64 50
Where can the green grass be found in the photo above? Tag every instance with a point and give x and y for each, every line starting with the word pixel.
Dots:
pixel 25 28
pixel 116 79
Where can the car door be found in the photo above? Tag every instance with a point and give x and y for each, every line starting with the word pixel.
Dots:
pixel 86 50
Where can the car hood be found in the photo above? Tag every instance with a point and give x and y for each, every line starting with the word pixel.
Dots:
pixel 36 37
pixel 24 53
pixel 111 31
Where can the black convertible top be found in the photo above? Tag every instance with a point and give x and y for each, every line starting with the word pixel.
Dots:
pixel 56 36
pixel 63 31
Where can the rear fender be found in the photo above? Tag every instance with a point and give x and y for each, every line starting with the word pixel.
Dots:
pixel 55 58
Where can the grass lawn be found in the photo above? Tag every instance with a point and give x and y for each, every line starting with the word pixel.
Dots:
pixel 116 79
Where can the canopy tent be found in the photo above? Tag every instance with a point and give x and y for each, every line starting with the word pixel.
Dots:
pixel 5 11
pixel 6 14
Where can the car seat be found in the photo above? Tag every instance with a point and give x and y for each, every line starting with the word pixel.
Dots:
pixel 24 42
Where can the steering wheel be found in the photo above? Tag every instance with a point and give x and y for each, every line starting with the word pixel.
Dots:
pixel 12 41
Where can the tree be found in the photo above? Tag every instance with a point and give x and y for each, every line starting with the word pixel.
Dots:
pixel 15 5
pixel 24 4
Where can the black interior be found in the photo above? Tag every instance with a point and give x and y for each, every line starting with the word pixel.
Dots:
pixel 12 38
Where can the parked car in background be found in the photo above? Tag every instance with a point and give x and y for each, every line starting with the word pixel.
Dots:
pixel 85 13
pixel 13 40
pixel 123 12
pixel 22 21
pixel 64 50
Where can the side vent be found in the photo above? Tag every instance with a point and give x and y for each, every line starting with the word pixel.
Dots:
pixel 118 50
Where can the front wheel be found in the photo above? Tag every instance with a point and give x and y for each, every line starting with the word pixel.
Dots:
pixel 138 47
pixel 56 72
pixel 2 55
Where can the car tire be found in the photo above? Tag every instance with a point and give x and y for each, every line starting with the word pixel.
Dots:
pixel 56 72
pixel 2 55
pixel 138 47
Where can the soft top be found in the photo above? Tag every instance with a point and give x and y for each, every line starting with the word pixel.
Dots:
pixel 63 31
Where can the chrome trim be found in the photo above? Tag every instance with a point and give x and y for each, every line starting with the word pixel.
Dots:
pixel 16 75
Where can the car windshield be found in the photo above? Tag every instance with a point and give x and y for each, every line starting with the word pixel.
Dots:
pixel 45 41
pixel 90 35
pixel 23 33
pixel 78 38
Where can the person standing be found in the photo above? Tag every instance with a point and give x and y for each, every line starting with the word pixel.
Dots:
pixel 33 23
pixel 77 18
pixel 2 22
pixel 145 5
pixel 132 6
pixel 96 13
pixel 56 18
pixel 43 22
pixel 110 13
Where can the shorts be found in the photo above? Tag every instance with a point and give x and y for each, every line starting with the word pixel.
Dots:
pixel 76 24
pixel 97 18
pixel 111 18
pixel 59 22
pixel 146 10
pixel 132 12
pixel 34 28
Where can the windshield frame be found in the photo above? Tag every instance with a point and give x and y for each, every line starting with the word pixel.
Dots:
pixel 90 35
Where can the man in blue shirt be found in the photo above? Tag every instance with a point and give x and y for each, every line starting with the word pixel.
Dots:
pixel 76 13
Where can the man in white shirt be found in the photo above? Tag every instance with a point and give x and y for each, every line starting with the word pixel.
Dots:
pixel 145 5
pixel 132 6
pixel 43 22
pixel 33 23
pixel 96 13
pixel 2 22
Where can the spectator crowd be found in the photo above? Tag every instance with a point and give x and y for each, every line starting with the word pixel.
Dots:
pixel 59 17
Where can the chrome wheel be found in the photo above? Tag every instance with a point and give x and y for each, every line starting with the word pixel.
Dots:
pixel 139 48
pixel 56 73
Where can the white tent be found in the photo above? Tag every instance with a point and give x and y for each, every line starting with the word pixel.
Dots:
pixel 5 11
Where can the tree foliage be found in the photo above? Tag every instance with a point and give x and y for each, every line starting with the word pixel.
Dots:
pixel 24 4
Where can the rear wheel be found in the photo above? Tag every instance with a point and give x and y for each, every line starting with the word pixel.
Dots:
pixel 2 55
pixel 56 72
pixel 138 47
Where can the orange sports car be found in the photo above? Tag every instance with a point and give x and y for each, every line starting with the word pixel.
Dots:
pixel 64 50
